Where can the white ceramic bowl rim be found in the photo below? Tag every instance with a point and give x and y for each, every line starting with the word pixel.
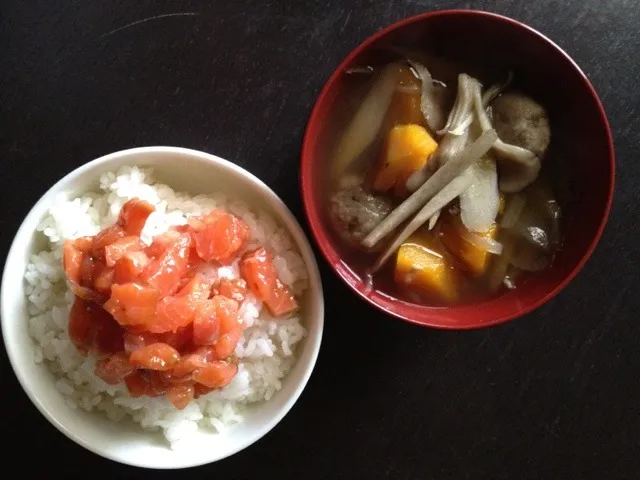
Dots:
pixel 10 309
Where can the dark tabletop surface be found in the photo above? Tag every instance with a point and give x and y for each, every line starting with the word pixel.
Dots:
pixel 555 394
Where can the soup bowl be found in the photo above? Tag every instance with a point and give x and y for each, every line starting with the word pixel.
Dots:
pixel 581 138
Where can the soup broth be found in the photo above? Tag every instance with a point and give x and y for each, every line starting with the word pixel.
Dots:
pixel 478 147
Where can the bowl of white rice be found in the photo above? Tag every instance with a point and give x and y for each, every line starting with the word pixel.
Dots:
pixel 275 355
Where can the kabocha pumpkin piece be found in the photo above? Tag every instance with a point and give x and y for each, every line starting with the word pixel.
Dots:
pixel 422 268
pixel 407 149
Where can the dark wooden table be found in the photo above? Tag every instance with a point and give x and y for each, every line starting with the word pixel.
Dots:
pixel 555 394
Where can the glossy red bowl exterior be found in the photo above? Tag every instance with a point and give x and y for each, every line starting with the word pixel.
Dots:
pixel 578 122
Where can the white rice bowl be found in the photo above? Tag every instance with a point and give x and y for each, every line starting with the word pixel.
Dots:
pixel 244 421
pixel 242 418
pixel 266 350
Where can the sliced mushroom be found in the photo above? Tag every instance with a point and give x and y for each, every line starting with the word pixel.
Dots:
pixel 462 107
pixel 518 167
pixel 455 139
pixel 450 146
pixel 433 98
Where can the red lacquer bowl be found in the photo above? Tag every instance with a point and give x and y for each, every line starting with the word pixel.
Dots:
pixel 581 136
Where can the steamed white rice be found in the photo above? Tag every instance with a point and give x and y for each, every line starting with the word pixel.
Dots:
pixel 266 350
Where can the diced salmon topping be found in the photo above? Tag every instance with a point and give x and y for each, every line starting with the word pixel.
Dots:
pixel 87 294
pixel 105 238
pixel 114 369
pixel 72 261
pixel 129 267
pixel 157 316
pixel 137 384
pixel 178 311
pixel 92 328
pixel 80 327
pixel 166 270
pixel 216 374
pixel 236 289
pixel 206 324
pixel 103 279
pixel 133 304
pixel 200 389
pixel 181 339
pixel 147 382
pixel 221 238
pixel 227 342
pixel 91 267
pixel 108 334
pixel 181 394
pixel 262 278
pixel 216 317
pixel 113 252
pixel 133 216
pixel 157 356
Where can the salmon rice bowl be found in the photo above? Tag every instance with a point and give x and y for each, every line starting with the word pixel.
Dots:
pixel 175 311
